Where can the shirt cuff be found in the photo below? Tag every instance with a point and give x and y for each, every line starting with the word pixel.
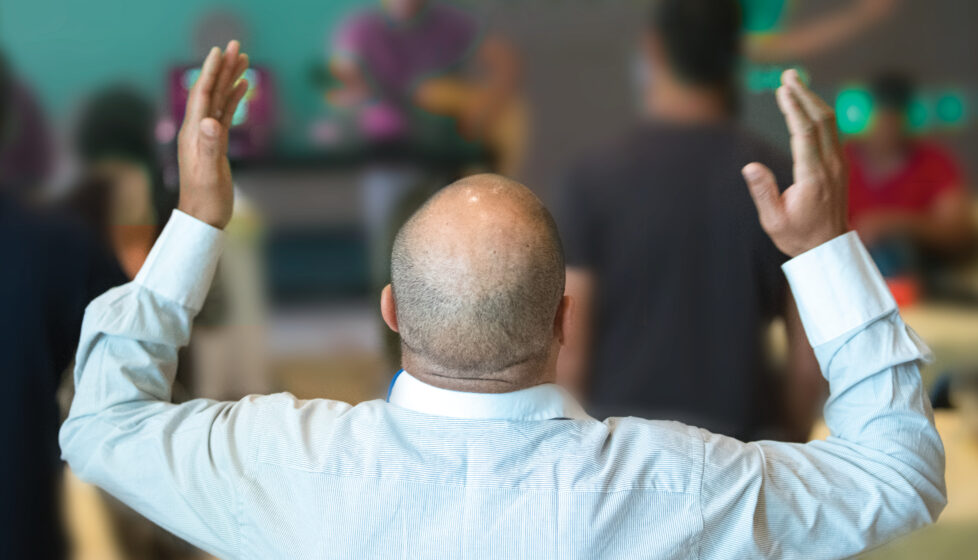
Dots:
pixel 837 288
pixel 181 265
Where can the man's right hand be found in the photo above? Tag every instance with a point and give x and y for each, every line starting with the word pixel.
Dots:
pixel 814 209
pixel 205 174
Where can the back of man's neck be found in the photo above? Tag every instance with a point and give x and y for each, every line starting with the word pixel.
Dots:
pixel 521 376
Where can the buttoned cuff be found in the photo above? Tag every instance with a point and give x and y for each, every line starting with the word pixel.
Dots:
pixel 181 265
pixel 837 288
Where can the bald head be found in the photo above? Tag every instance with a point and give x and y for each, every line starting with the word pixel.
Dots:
pixel 477 276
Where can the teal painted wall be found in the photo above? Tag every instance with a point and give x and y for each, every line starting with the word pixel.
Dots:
pixel 69 48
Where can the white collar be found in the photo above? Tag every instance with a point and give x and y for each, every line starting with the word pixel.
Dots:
pixel 542 402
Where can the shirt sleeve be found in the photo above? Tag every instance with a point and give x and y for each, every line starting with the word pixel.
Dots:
pixel 881 472
pixel 176 464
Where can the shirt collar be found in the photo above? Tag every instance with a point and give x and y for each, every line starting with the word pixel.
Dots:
pixel 542 402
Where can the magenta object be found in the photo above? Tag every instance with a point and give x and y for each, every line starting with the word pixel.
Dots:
pixel 382 121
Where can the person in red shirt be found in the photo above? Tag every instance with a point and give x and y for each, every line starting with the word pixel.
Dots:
pixel 902 189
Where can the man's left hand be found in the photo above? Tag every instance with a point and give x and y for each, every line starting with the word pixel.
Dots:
pixel 206 192
pixel 814 209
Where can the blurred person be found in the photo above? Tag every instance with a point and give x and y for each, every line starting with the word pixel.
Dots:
pixel 52 267
pixel 770 41
pixel 476 452
pixel 417 54
pixel 675 280
pixel 26 147
pixel 121 193
pixel 905 191
pixel 397 63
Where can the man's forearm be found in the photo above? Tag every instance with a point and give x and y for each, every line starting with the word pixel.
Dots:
pixel 171 463
pixel 881 472
pixel 130 336
pixel 877 404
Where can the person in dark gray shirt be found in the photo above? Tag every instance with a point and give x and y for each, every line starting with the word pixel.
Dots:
pixel 675 280
pixel 51 268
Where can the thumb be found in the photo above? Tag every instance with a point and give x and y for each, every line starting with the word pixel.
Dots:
pixel 211 140
pixel 764 190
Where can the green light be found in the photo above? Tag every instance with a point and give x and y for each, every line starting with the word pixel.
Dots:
pixel 853 108
pixel 950 108
pixel 918 115
pixel 768 77
pixel 240 114
pixel 763 16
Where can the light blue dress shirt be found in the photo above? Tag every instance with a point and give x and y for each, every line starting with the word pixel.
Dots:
pixel 443 474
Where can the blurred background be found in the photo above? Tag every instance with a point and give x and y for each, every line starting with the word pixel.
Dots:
pixel 358 110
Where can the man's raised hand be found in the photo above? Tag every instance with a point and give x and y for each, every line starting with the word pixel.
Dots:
pixel 813 210
pixel 205 174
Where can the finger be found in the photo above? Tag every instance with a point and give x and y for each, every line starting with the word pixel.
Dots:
pixel 812 103
pixel 805 149
pixel 232 104
pixel 211 140
pixel 767 198
pixel 818 112
pixel 225 80
pixel 240 65
pixel 799 123
pixel 198 101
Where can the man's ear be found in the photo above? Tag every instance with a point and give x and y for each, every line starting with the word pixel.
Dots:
pixel 564 318
pixel 387 308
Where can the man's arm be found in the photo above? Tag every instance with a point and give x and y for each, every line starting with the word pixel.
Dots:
pixel 881 472
pixel 178 465
pixel 946 227
pixel 502 70
pixel 812 38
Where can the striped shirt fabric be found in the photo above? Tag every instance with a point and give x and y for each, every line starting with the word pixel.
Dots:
pixel 441 474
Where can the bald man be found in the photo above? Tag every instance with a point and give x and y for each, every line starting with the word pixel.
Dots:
pixel 475 453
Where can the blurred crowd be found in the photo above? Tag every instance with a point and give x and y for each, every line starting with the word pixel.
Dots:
pixel 683 310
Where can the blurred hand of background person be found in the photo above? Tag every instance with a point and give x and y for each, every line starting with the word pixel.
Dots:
pixel 944 227
pixel 814 209
pixel 206 192
pixel 497 86
pixel 876 9
pixel 810 38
